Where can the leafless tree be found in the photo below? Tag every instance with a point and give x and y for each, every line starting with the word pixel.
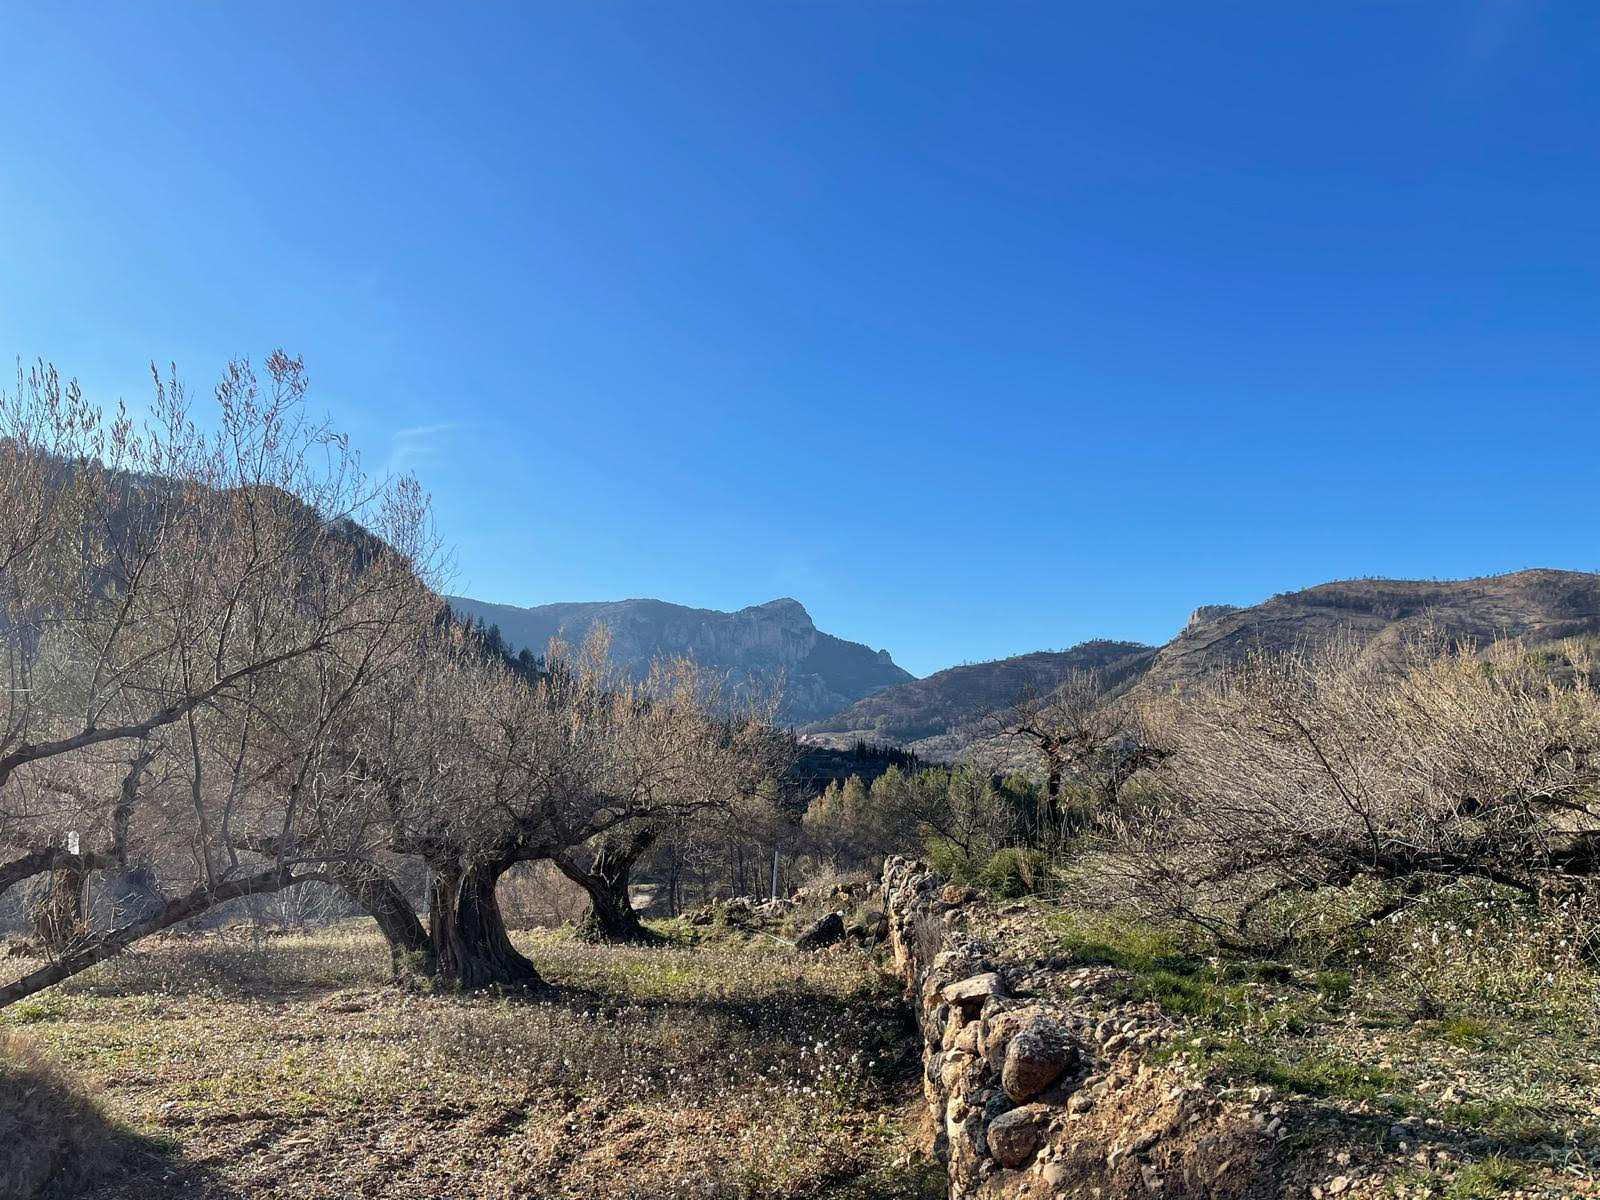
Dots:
pixel 488 768
pixel 1086 739
pixel 230 673
pixel 189 618
pixel 1319 770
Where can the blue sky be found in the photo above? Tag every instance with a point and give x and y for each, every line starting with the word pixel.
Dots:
pixel 977 327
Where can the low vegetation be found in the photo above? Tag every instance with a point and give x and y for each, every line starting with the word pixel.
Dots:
pixel 289 1067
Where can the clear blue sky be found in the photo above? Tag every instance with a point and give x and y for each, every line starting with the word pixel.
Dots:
pixel 978 327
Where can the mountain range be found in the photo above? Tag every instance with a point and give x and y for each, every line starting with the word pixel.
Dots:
pixel 839 692
pixel 757 650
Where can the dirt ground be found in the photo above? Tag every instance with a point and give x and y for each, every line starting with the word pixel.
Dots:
pixel 287 1067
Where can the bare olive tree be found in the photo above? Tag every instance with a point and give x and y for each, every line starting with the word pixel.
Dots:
pixel 230 674
pixel 487 767
pixel 719 772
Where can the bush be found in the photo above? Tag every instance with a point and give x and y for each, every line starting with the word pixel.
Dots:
pixel 1014 872
pixel 950 861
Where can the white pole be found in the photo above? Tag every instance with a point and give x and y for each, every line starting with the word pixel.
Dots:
pixel 774 872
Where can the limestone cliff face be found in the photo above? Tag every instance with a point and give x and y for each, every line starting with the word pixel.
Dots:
pixel 1209 612
pixel 756 649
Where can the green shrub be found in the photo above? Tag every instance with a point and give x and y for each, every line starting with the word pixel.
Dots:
pixel 950 861
pixel 1014 872
pixel 1467 1032
pixel 1485 1178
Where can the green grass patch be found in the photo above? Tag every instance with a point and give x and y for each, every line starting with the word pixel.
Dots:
pixel 1213 990
pixel 1488 1177
pixel 1506 1121
pixel 46 1007
pixel 1467 1032
pixel 1101 938
pixel 1310 1075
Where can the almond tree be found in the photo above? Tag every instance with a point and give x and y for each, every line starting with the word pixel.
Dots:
pixel 200 603
pixel 1085 738
pixel 1323 770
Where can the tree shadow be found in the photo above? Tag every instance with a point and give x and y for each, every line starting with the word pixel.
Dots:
pixel 56 1142
pixel 1480 1131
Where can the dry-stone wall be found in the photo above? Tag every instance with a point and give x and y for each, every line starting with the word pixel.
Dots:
pixel 1036 1075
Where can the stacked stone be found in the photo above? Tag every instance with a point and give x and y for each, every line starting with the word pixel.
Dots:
pixel 1033 1098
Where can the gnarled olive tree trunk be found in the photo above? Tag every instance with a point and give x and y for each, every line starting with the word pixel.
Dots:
pixel 410 948
pixel 611 917
pixel 471 947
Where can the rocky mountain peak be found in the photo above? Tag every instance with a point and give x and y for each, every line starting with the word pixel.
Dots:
pixel 1209 612
pixel 755 648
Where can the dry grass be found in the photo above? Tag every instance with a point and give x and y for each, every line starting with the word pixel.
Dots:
pixel 53 1139
pixel 288 1068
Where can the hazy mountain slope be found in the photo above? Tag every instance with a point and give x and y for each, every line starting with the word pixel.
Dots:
pixel 924 713
pixel 753 648
pixel 1539 605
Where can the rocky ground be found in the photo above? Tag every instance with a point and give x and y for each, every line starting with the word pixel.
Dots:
pixel 1161 1072
pixel 288 1068
pixel 1061 1052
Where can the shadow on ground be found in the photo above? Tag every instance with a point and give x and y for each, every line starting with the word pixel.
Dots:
pixel 56 1143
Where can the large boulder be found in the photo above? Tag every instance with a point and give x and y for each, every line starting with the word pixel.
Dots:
pixel 824 931
pixel 1035 1058
pixel 1000 1027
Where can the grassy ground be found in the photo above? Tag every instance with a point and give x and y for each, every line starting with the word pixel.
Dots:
pixel 289 1068
pixel 1451 1053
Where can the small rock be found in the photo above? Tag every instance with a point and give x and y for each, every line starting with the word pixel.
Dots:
pixel 1015 1135
pixel 824 931
pixel 951 1068
pixel 1337 1184
pixel 969 994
